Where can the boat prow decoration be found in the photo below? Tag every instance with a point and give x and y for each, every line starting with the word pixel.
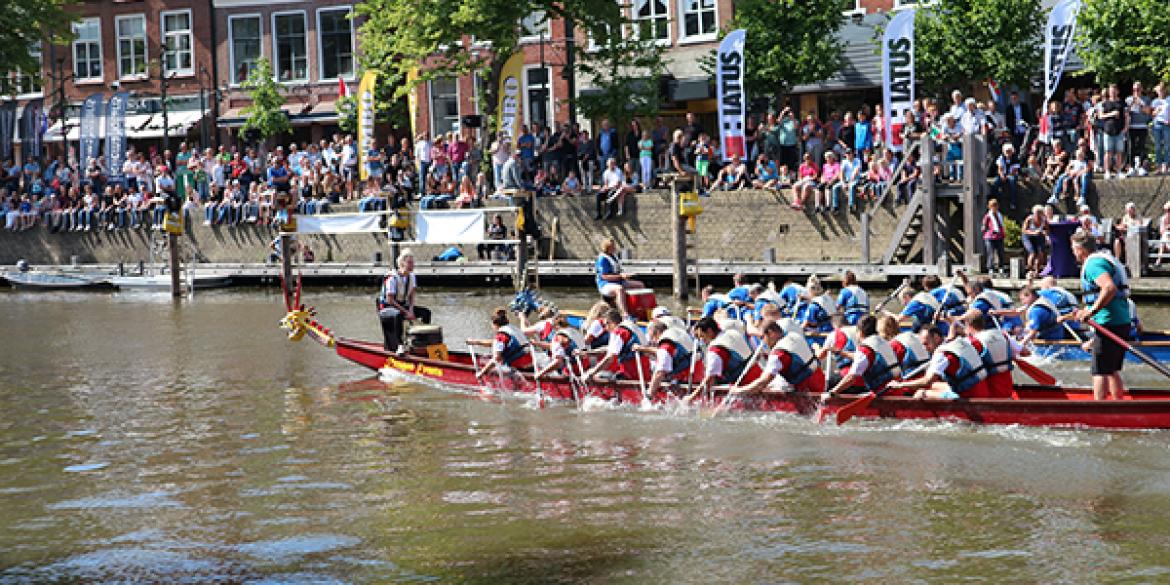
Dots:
pixel 299 320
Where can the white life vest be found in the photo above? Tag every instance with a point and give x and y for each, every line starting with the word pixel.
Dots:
pixel 997 352
pixel 852 342
pixel 575 336
pixel 617 265
pixel 1133 316
pixel 916 353
pixel 672 322
pixel 516 347
pixel 971 370
pixel 770 296
pixel 860 299
pixel 788 325
pixel 826 303
pixel 733 325
pixel 885 367
pixel 735 341
pixel 1047 304
pixel 1062 298
pixel 804 364
pixel 927 299
pixel 679 337
pixel 998 301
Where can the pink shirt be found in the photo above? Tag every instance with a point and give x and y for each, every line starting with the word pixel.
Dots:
pixel 830 171
pixel 808 171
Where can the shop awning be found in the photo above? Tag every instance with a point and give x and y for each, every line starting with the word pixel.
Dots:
pixel 298 115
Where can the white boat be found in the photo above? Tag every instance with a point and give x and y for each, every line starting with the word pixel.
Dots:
pixel 162 282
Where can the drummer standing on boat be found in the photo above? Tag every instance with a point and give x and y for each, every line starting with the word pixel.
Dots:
pixel 1106 288
pixel 395 302
pixel 611 281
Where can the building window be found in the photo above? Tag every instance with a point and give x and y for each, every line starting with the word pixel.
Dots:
pixel 653 15
pixel 87 49
pixel 20 83
pixel 335 37
pixel 245 35
pixel 176 35
pixel 699 18
pixel 292 52
pixel 534 26
pixel 444 105
pixel 538 96
pixel 131 45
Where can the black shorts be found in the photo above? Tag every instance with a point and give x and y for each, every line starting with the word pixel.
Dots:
pixel 1108 356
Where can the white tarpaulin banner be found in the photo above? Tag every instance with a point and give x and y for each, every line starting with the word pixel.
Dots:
pixel 345 223
pixel 1058 42
pixel 898 75
pixel 732 99
pixel 449 227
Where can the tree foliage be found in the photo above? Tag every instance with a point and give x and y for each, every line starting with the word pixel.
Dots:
pixel 962 41
pixel 26 23
pixel 624 69
pixel 264 115
pixel 1123 40
pixel 789 42
pixel 388 107
pixel 458 37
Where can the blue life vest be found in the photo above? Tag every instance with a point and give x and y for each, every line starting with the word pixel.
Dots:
pixel 1064 301
pixel 950 298
pixel 883 367
pixel 915 354
pixel 803 363
pixel 514 349
pixel 627 352
pixel 735 345
pixel 854 303
pixel 850 346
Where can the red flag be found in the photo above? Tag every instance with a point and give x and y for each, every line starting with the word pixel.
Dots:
pixel 342 90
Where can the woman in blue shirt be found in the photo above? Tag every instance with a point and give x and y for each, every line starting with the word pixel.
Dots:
pixel 611 281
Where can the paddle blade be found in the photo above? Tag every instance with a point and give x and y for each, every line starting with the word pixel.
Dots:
pixel 1040 376
pixel 850 410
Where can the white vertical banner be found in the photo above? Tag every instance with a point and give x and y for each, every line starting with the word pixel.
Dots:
pixel 897 74
pixel 1058 43
pixel 732 98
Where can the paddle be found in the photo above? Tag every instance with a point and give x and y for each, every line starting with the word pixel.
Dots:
pixel 897 291
pixel 729 396
pixel 1032 371
pixel 1130 348
pixel 850 410
pixel 942 306
pixel 536 376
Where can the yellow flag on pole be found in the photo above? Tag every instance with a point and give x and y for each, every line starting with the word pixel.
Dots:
pixel 412 99
pixel 509 105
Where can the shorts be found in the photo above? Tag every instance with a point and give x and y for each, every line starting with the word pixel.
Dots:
pixel 1108 355
pixel 348 173
pixel 701 167
pixel 610 289
pixel 1114 143
pixel 1035 244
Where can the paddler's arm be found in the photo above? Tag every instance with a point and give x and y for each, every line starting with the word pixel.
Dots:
pixel 1108 291
pixel 914 384
pixel 756 385
pixel 599 366
pixel 553 365
pixel 655 382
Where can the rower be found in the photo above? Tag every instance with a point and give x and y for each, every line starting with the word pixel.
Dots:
pixel 1042 320
pixel 673 354
pixel 955 370
pixel 984 299
pixel 791 293
pixel 739 289
pixel 842 342
pixel 852 300
pixel 791 362
pixel 1106 288
pixel 510 351
pixel 612 283
pixel 728 355
pixel 621 356
pixel 395 302
pixel 874 363
pixel 662 314
pixel 769 313
pixel 713 301
pixel 1065 301
pixel 912 355
pixel 762 297
pixel 951 298
pixel 999 352
pixel 816 313
pixel 594 325
pixel 545 326
pixel 920 306
pixel 565 343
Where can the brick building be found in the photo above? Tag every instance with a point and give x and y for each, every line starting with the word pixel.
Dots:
pixel 311 45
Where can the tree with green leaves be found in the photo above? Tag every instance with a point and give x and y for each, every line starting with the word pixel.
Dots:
pixel 264 115
pixel 623 70
pixel 388 107
pixel 445 38
pixel 28 23
pixel 957 42
pixel 789 42
pixel 1124 40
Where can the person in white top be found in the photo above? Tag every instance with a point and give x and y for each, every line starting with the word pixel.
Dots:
pixel 1131 220
pixel 613 187
pixel 422 154
pixel 1164 233
pixel 1160 126
pixel 972 120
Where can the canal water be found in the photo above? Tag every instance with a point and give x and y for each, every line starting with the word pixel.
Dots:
pixel 145 442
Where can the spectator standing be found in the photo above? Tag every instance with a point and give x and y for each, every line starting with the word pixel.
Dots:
pixel 862 135
pixel 586 159
pixel 750 138
pixel 993 236
pixel 1114 124
pixel 633 136
pixel 501 152
pixel 1018 118
pixel 646 158
pixel 422 154
pixel 693 128
pixel 1138 108
pixel 607 143
pixel 1160 110
pixel 526 146
pixel 787 134
pixel 1164 233
pixel 972 120
pixel 1007 170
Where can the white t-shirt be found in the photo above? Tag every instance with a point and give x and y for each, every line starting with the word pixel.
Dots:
pixel 613 178
pixel 422 151
pixel 773 367
pixel 1161 110
pixel 714 366
pixel 662 361
pixel 938 365
pixel 860 364
pixel 971 122
pixel 595 330
pixel 558 351
pixel 615 345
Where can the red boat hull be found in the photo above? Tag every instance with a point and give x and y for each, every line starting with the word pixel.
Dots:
pixel 1036 406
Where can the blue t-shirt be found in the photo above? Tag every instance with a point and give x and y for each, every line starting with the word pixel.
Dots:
pixel 275 173
pixel 739 293
pixel 712 305
pixel 922 313
pixel 1064 303
pixel 814 316
pixel 604 265
pixel 949 299
pixel 527 145
pixel 606 140
pixel 1117 311
pixel 862 137
pixel 1042 320
pixel 791 296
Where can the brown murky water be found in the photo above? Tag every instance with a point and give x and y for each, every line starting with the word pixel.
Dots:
pixel 144 442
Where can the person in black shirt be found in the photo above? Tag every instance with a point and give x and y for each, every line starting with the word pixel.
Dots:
pixel 693 129
pixel 1113 122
